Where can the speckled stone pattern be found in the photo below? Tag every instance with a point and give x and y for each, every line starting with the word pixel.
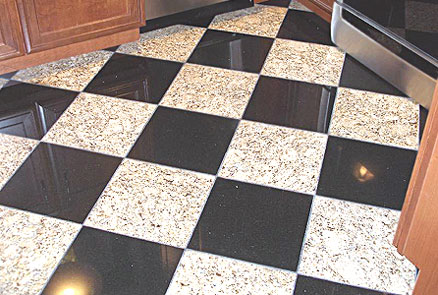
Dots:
pixel 338 247
pixel 307 62
pixel 211 90
pixel 275 156
pixel 14 151
pixel 30 248
pixel 152 202
pixel 213 157
pixel 102 124
pixel 260 20
pixel 376 117
pixel 202 273
pixel 174 43
pixel 72 73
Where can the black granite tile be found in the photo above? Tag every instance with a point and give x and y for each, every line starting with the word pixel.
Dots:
pixel 185 139
pixel 365 172
pixel 232 51
pixel 59 181
pixel 305 26
pixel 281 3
pixel 103 263
pixel 292 104
pixel 311 286
pixel 200 17
pixel 355 75
pixel 30 110
pixel 423 117
pixel 113 49
pixel 134 77
pixel 8 75
pixel 253 223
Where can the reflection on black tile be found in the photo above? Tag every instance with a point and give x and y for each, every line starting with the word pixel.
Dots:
pixel 281 3
pixel 253 223
pixel 59 182
pixel 8 75
pixel 357 76
pixel 366 173
pixel 103 263
pixel 423 118
pixel 291 104
pixel 134 77
pixel 312 286
pixel 232 51
pixel 113 49
pixel 185 140
pixel 305 26
pixel 30 110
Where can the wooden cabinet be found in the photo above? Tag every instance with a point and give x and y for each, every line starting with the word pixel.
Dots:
pixel 323 8
pixel 38 31
pixel 11 38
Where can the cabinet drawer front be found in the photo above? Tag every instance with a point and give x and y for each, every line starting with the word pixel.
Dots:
pixel 11 38
pixel 52 23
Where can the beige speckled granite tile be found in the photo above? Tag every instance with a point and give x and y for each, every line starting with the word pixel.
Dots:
pixel 174 43
pixel 152 202
pixel 308 62
pixel 376 117
pixel 205 274
pixel 276 156
pixel 13 151
pixel 352 243
pixel 72 73
pixel 211 90
pixel 294 4
pixel 101 124
pixel 260 20
pixel 2 82
pixel 30 248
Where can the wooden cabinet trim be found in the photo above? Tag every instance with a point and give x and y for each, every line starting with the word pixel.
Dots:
pixel 11 36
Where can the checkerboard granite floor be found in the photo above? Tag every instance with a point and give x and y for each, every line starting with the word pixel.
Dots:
pixel 241 154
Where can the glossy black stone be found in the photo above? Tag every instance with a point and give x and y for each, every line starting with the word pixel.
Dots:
pixel 357 76
pixel 59 181
pixel 113 49
pixel 8 75
pixel 311 286
pixel 134 77
pixel 103 263
pixel 232 51
pixel 292 104
pixel 423 117
pixel 30 110
pixel 185 139
pixel 366 173
pixel 305 26
pixel 253 223
pixel 281 3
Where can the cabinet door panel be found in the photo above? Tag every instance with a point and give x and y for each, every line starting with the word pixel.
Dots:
pixel 53 23
pixel 11 38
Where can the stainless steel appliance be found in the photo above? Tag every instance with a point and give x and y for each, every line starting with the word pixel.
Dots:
pixel 397 39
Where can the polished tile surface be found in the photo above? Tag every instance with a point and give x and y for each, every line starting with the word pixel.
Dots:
pixel 72 73
pixel 30 110
pixel 231 51
pixel 332 235
pixel 280 3
pixel 275 156
pixel 101 263
pixel 3 82
pixel 101 124
pixel 253 223
pixel 260 20
pixel 211 90
pixel 152 202
pixel 307 62
pixel 14 151
pixel 305 26
pixel 30 247
pixel 184 139
pixel 291 104
pixel 135 78
pixel 203 274
pixel 172 43
pixel 60 182
pixel 375 117
pixel 294 4
pixel 366 173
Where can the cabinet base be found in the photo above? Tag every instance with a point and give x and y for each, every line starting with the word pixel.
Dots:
pixel 33 59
